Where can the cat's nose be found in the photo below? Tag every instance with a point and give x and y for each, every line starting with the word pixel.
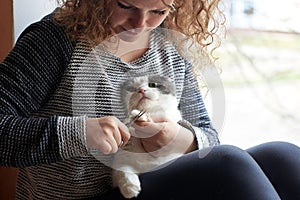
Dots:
pixel 142 91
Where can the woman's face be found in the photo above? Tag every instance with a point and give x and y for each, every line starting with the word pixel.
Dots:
pixel 131 19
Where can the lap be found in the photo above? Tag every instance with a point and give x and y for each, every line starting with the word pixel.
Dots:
pixel 220 172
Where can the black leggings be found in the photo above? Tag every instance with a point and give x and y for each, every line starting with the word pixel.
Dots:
pixel 269 171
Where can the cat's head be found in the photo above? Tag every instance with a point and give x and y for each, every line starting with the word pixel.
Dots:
pixel 148 92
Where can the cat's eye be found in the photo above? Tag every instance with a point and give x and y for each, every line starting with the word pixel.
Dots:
pixel 152 85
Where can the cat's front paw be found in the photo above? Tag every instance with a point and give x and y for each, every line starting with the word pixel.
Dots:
pixel 136 112
pixel 130 190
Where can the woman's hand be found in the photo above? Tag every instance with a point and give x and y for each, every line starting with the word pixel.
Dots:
pixel 106 134
pixel 162 136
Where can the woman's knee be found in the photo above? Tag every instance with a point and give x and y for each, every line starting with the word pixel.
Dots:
pixel 231 156
pixel 276 150
pixel 280 161
pixel 229 152
pixel 239 175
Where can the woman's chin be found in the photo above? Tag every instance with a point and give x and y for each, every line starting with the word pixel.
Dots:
pixel 134 35
pixel 128 37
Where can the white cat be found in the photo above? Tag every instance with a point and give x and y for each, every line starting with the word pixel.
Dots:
pixel 155 95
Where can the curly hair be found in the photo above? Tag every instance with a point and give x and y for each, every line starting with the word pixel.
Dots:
pixel 196 19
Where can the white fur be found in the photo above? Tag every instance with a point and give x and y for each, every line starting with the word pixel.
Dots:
pixel 132 160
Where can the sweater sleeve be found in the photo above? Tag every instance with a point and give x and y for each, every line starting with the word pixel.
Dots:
pixel 194 111
pixel 28 75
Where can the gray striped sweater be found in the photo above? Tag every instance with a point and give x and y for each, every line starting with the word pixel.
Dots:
pixel 49 86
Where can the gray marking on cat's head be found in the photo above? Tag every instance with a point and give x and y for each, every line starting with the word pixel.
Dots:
pixel 164 84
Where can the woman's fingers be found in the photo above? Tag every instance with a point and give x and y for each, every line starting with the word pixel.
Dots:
pixel 105 147
pixel 147 129
pixel 106 134
pixel 125 134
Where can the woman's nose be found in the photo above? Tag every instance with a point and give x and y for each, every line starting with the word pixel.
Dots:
pixel 138 20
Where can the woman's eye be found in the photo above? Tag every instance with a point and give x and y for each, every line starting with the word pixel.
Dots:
pixel 159 12
pixel 152 85
pixel 123 6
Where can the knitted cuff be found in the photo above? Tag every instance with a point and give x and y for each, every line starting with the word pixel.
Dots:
pixel 71 134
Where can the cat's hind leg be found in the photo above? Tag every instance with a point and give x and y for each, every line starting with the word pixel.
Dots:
pixel 128 183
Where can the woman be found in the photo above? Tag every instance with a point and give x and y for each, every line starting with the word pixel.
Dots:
pixel 58 101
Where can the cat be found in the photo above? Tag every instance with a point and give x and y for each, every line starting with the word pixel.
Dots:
pixel 157 96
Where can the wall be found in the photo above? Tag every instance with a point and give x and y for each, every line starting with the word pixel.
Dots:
pixel 6 25
pixel 29 11
pixel 7 175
